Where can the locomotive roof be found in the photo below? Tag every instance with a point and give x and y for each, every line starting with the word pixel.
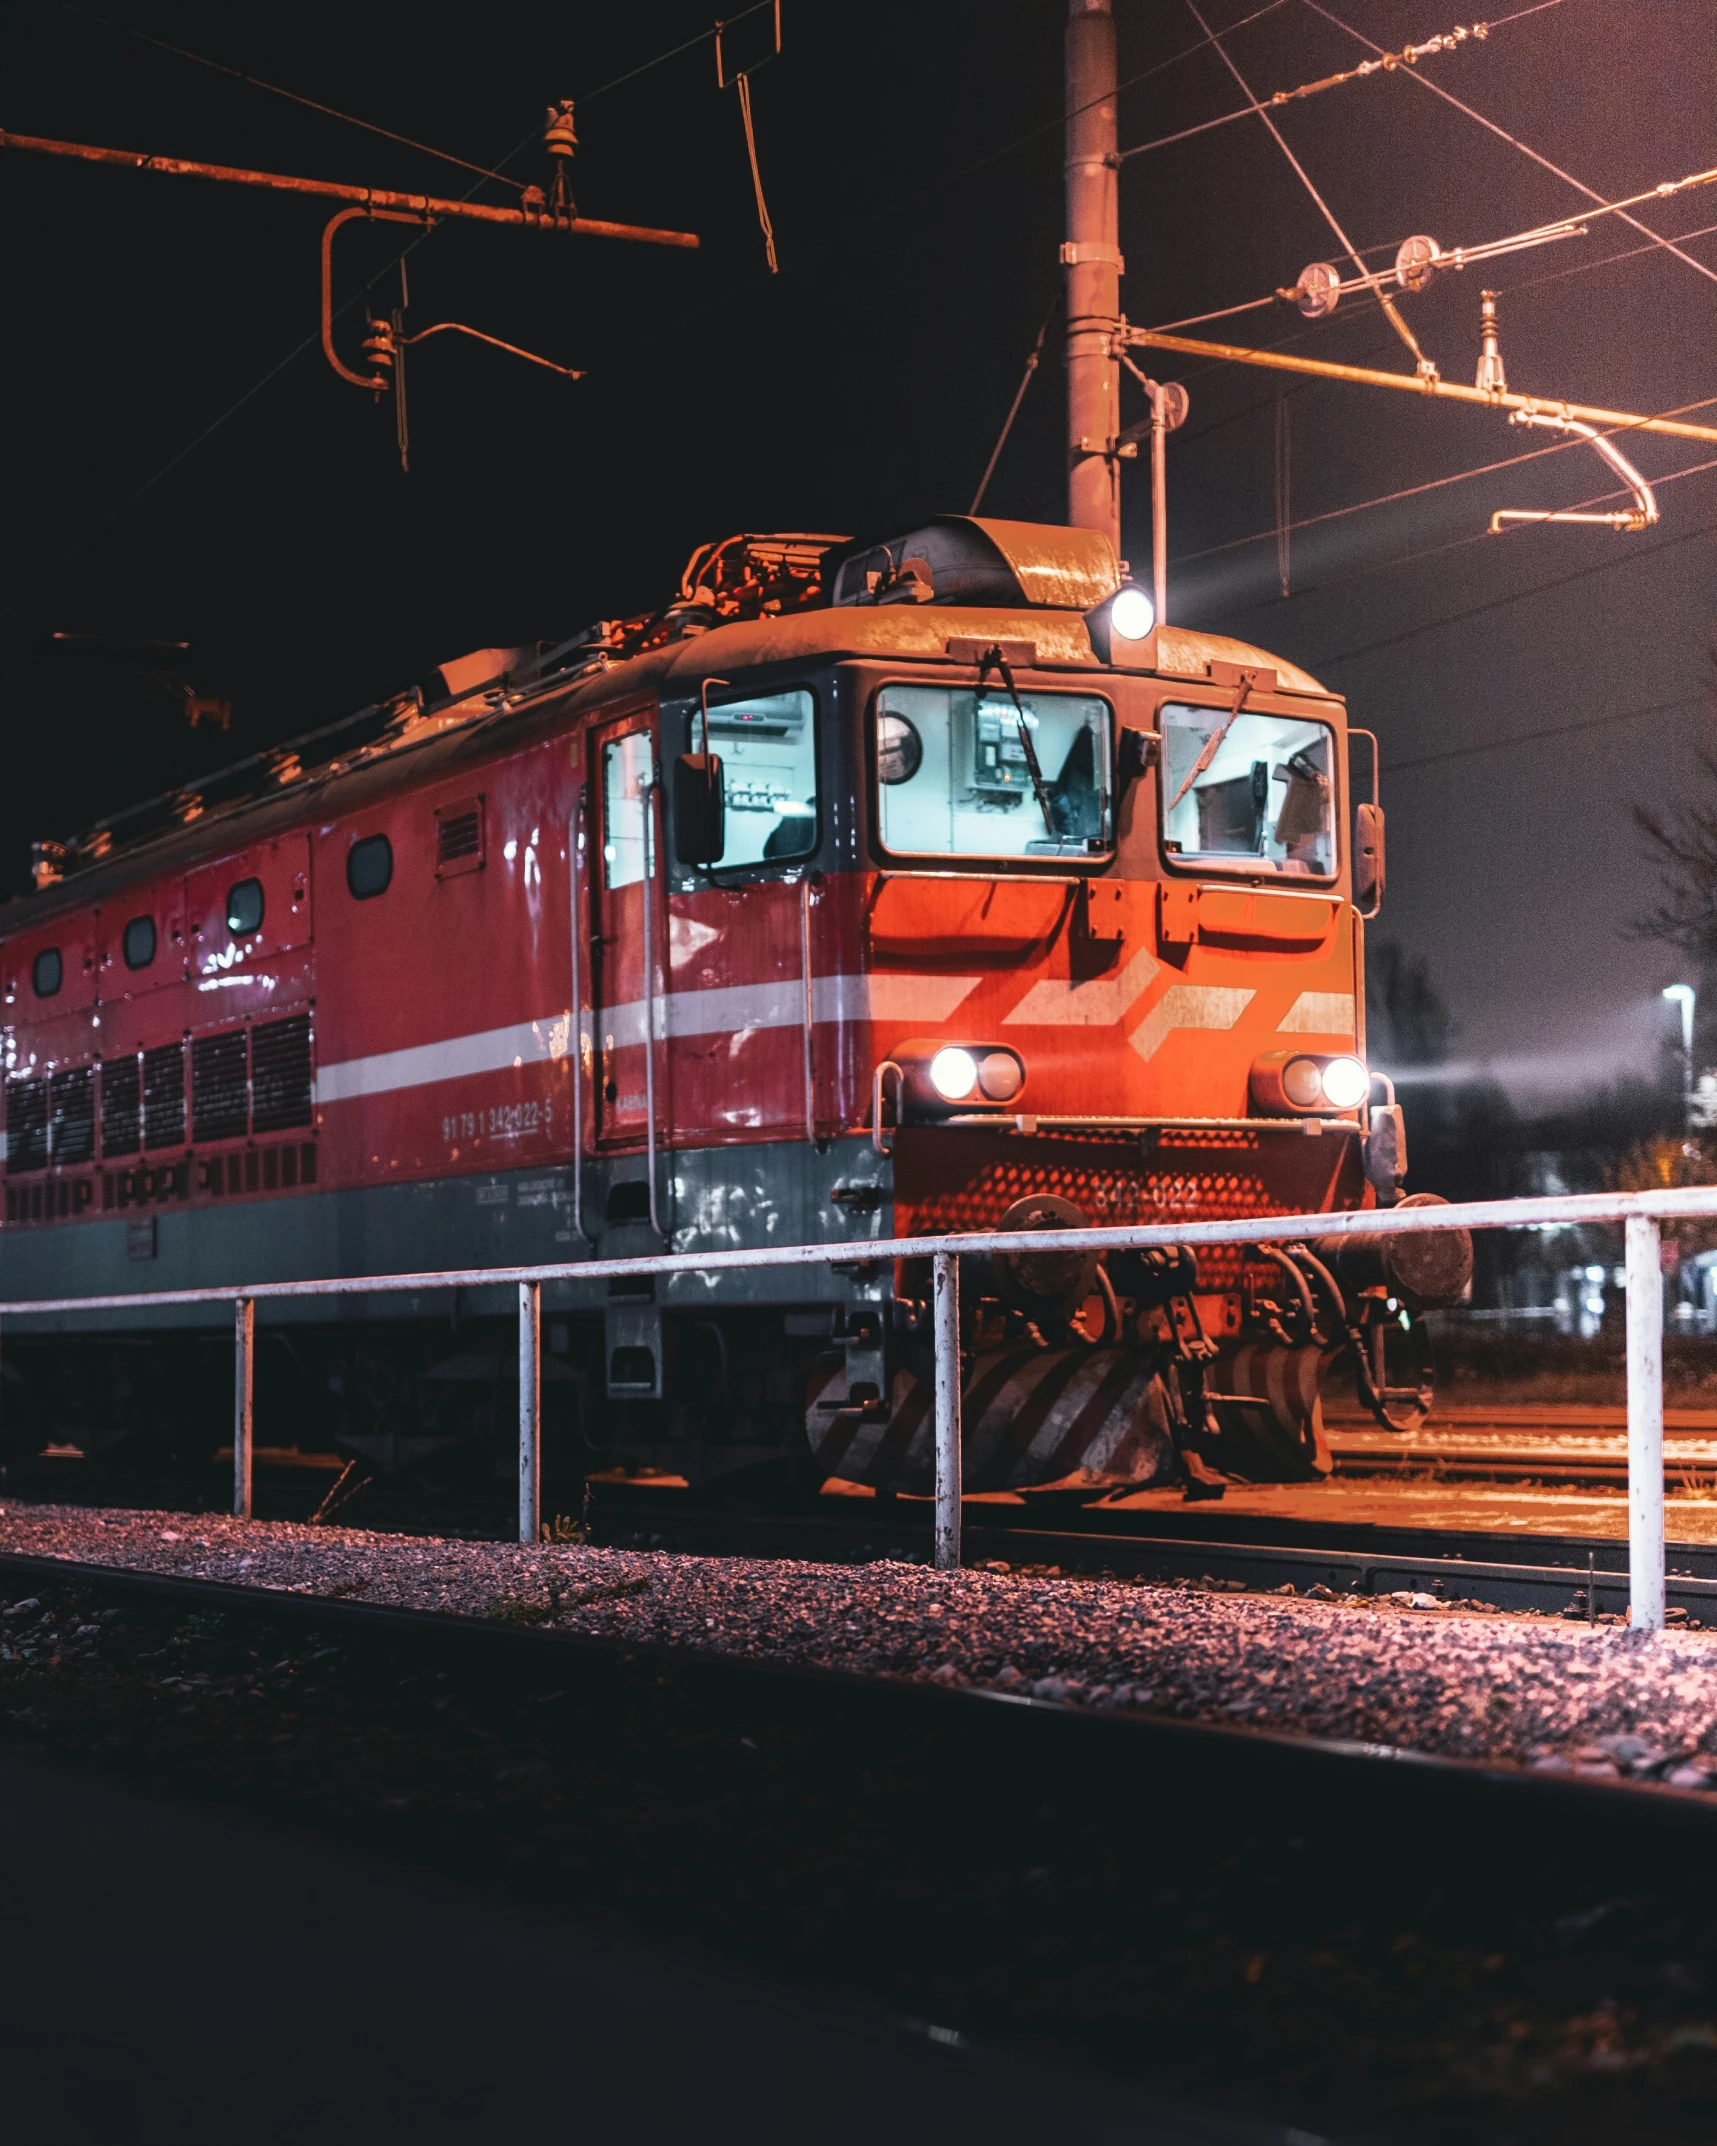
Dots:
pixel 498 707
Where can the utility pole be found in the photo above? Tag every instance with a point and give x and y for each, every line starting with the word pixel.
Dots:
pixel 1091 257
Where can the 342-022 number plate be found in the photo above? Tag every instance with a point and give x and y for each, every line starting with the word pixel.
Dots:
pixel 501 1121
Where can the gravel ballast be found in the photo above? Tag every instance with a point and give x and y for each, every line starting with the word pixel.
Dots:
pixel 1536 1692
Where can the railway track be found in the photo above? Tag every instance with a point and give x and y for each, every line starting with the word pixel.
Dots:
pixel 1572 1444
pixel 426 1641
pixel 1551 1574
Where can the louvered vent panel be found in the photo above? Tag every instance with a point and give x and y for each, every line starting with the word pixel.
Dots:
pixel 122 1105
pixel 280 1074
pixel 164 1096
pixel 26 1125
pixel 72 1112
pixel 459 837
pixel 220 1100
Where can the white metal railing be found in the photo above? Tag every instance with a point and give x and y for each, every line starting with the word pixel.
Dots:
pixel 1640 1213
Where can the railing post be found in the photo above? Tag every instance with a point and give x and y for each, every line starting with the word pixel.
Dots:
pixel 1645 1425
pixel 244 1369
pixel 530 1411
pixel 945 1325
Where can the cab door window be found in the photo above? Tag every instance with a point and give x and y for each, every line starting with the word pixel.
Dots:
pixel 768 752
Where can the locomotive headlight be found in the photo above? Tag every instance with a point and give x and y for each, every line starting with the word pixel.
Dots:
pixel 1000 1076
pixel 1132 614
pixel 1345 1083
pixel 953 1074
pixel 1289 1083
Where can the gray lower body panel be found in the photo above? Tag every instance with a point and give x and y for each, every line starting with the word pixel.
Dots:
pixel 709 1199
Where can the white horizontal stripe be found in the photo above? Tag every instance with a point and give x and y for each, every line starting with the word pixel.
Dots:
pixel 729 1009
pixel 459 1056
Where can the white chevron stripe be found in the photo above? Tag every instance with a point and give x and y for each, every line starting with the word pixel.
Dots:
pixel 1319 1013
pixel 1100 1002
pixel 1213 1006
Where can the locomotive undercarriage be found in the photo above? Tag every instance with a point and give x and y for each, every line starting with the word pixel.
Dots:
pixel 1138 1368
pixel 1141 1368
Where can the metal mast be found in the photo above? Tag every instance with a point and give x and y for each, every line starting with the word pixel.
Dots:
pixel 1092 260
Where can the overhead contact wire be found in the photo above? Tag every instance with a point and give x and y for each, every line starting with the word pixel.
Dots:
pixel 1395 321
pixel 292 96
pixel 1408 56
pixel 1514 142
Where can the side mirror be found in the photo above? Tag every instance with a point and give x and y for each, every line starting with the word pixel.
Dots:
pixel 1138 751
pixel 700 809
pixel 1368 859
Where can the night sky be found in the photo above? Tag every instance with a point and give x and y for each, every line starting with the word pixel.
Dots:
pixel 180 464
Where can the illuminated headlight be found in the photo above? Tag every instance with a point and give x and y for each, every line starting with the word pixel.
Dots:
pixel 953 1074
pixel 1132 614
pixel 1289 1082
pixel 1345 1083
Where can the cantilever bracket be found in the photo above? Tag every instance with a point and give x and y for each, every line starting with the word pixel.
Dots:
pixel 1640 516
pixel 374 382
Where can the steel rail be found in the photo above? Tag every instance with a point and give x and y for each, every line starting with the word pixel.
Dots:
pixel 1415 384
pixel 430 207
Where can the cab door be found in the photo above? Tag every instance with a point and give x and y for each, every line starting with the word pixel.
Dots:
pixel 626 923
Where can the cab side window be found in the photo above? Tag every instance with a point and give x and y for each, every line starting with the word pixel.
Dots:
pixel 768 752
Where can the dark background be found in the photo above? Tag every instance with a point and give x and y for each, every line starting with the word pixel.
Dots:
pixel 181 465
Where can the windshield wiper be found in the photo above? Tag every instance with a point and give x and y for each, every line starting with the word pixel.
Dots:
pixel 1213 744
pixel 993 660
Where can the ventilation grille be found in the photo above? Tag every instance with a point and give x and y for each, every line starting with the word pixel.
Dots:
pixel 72 1139
pixel 280 1075
pixel 220 1101
pixel 122 1106
pixel 459 837
pixel 26 1125
pixel 164 1096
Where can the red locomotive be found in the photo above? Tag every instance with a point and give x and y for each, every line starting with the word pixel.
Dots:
pixel 862 889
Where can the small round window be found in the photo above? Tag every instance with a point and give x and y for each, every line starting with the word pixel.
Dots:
pixel 899 749
pixel 244 907
pixel 47 972
pixel 139 942
pixel 369 866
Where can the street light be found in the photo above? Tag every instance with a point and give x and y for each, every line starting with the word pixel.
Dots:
pixel 1682 995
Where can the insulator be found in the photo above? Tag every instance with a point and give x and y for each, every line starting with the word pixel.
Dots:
pixel 379 350
pixel 559 137
pixel 1415 259
pixel 1317 290
pixel 1491 377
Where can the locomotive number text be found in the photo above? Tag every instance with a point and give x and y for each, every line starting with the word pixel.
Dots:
pixel 502 1121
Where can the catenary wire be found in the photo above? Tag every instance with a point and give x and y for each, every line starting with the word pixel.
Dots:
pixel 237 74
pixel 1437 484
pixel 1515 596
pixel 1033 134
pixel 1484 535
pixel 1502 133
pixel 1534 737
pixel 1394 318
pixel 1409 56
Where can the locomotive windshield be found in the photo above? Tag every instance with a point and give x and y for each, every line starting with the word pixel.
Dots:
pixel 1253 791
pixel 974 774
